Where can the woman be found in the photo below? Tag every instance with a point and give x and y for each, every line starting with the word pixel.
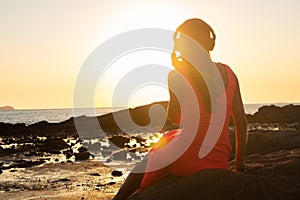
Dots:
pixel 180 107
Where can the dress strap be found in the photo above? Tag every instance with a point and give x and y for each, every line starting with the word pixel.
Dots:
pixel 231 81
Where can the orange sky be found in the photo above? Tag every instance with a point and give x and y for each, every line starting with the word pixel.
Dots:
pixel 44 43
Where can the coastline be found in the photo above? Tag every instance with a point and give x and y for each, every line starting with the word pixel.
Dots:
pixel 49 160
pixel 57 115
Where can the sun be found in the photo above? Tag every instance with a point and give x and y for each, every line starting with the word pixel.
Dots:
pixel 141 94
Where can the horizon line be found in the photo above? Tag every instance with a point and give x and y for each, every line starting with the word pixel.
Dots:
pixel 126 107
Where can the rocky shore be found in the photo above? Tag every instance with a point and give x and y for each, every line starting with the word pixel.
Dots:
pixel 40 159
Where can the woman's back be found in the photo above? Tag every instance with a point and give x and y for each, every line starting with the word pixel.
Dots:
pixel 190 162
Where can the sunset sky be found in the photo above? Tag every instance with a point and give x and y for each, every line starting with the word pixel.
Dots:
pixel 43 45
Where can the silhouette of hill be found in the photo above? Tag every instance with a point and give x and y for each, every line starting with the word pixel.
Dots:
pixel 7 108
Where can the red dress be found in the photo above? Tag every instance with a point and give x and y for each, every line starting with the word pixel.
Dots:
pixel 189 161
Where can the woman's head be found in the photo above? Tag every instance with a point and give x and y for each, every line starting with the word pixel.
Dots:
pixel 199 31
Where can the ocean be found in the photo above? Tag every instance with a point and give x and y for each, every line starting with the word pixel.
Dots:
pixel 58 115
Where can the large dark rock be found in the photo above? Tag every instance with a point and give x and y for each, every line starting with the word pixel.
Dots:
pixel 82 156
pixel 119 140
pixel 269 114
pixel 52 144
pixel 264 142
pixel 280 179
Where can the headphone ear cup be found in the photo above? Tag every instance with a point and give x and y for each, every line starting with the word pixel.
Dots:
pixel 212 39
pixel 212 44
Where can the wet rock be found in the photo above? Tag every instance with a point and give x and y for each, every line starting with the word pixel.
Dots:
pixel 111 183
pixel 94 147
pixel 68 153
pixel 52 144
pixel 116 173
pixel 82 149
pixel 119 140
pixel 95 174
pixel 121 155
pixel 82 156
pixel 106 152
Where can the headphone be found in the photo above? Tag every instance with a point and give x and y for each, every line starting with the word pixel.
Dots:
pixel 212 38
pixel 197 25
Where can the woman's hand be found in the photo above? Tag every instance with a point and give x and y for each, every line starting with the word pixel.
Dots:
pixel 244 167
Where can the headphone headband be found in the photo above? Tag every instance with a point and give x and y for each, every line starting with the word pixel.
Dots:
pixel 193 26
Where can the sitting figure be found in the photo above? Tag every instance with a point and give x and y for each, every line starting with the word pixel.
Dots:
pixel 202 110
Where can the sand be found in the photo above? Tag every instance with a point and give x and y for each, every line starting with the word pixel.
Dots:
pixel 81 180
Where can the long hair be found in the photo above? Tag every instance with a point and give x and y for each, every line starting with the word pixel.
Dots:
pixel 204 35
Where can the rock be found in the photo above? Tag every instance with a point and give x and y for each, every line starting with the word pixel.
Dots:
pixel 279 180
pixel 106 152
pixel 82 156
pixel 116 173
pixel 268 114
pixel 119 140
pixel 121 155
pixel 264 142
pixel 52 144
pixel 68 153
pixel 94 147
pixel 95 174
pixel 111 183
pixel 82 149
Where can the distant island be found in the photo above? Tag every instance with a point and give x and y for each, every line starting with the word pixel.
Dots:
pixel 7 108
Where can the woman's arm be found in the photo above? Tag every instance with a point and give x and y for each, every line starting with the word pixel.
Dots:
pixel 175 85
pixel 241 132
pixel 240 123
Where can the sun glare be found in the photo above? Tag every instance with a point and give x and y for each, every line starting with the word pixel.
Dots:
pixel 126 66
